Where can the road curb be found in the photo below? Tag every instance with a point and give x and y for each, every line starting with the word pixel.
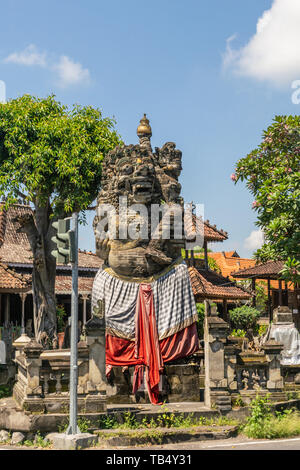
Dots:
pixel 115 438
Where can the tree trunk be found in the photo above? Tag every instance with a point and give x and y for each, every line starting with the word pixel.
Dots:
pixel 38 228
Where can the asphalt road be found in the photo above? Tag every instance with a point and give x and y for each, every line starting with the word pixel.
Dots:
pixel 238 443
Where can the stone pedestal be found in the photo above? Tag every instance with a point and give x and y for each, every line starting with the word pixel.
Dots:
pixel 182 383
pixel 27 390
pixel 282 315
pixel 179 383
pixel 272 351
pixel 216 383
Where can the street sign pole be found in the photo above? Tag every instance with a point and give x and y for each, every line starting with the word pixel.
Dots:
pixel 73 428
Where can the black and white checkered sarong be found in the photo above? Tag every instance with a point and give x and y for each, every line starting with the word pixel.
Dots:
pixel 174 302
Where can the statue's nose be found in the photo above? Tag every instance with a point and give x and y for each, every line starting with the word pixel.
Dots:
pixel 142 170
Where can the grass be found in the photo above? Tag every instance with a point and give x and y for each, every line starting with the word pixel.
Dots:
pixel 38 442
pixel 83 424
pixel 264 424
pixel 274 427
pixel 292 395
pixel 150 431
pixel 164 420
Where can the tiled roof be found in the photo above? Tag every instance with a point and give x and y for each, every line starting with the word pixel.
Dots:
pixel 15 247
pixel 229 261
pixel 63 284
pixel 211 233
pixel 270 269
pixel 87 259
pixel 9 279
pixel 11 235
pixel 231 254
pixel 210 285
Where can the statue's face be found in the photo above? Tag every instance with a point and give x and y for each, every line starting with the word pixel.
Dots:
pixel 143 177
pixel 135 176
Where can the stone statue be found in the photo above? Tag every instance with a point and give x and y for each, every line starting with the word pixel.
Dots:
pixel 143 291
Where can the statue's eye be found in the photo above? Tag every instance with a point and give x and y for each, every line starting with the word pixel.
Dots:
pixel 127 169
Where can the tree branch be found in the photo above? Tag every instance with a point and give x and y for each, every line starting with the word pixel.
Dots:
pixel 21 194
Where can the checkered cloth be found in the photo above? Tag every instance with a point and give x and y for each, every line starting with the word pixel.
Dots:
pixel 174 302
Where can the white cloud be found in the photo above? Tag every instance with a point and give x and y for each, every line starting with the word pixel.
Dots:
pixel 273 52
pixel 67 70
pixel 29 56
pixel 70 72
pixel 255 240
pixel 2 92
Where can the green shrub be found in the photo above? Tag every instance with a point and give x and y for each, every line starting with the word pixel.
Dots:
pixel 5 391
pixel 84 424
pixel 38 442
pixel 258 423
pixel 200 322
pixel 238 333
pixel 237 402
pixel 60 315
pixel 262 330
pixel 130 420
pixel 260 290
pixel 107 422
pixel 244 317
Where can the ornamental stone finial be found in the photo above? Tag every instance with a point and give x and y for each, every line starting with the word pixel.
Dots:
pixel 144 129
pixel 144 133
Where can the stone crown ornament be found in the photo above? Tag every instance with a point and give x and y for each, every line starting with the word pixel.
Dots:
pixel 144 128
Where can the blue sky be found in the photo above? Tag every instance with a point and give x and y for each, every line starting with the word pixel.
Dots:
pixel 209 75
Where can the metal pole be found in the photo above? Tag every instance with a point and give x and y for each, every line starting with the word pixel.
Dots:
pixel 73 428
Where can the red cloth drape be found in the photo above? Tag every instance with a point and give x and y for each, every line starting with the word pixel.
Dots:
pixel 147 353
pixel 147 349
pixel 120 352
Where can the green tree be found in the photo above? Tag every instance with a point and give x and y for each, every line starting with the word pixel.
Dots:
pixel 51 156
pixel 260 290
pixel 291 271
pixel 272 175
pixel 201 316
pixel 212 264
pixel 244 317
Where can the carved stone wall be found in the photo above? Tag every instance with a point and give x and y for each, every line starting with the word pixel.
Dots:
pixel 43 376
